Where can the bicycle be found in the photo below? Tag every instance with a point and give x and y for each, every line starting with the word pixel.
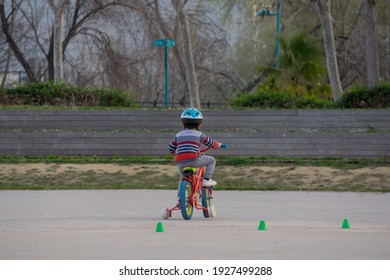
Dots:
pixel 193 195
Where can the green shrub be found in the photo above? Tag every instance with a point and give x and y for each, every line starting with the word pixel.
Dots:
pixel 113 98
pixel 273 97
pixel 312 103
pixel 35 92
pixel 268 98
pixel 50 93
pixel 376 97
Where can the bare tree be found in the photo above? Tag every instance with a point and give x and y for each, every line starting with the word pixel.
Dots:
pixel 322 7
pixel 79 13
pixel 6 53
pixel 371 45
pixel 187 52
pixel 5 24
pixel 109 43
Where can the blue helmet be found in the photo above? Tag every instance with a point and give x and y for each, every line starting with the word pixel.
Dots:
pixel 191 116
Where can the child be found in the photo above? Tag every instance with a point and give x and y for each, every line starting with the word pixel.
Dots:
pixel 186 146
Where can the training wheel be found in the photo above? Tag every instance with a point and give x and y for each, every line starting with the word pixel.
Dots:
pixel 165 213
pixel 212 212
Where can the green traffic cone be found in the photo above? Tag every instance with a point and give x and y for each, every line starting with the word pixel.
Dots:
pixel 345 224
pixel 160 227
pixel 262 225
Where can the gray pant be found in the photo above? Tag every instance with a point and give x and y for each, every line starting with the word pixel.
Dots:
pixel 202 160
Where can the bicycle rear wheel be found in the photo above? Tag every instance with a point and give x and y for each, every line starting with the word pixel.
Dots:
pixel 185 206
pixel 206 203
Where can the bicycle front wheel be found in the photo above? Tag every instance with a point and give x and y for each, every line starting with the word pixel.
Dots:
pixel 185 206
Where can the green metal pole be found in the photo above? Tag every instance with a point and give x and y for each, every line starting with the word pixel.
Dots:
pixel 166 74
pixel 278 10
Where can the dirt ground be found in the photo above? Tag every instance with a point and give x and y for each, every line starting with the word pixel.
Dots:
pixel 241 177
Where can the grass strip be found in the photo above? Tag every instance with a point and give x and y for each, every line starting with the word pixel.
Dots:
pixel 337 162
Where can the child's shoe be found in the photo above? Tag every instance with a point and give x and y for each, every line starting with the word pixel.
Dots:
pixel 209 183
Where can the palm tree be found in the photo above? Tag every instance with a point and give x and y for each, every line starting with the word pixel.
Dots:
pixel 302 62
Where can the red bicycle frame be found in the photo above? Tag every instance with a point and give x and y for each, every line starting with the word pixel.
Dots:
pixel 196 181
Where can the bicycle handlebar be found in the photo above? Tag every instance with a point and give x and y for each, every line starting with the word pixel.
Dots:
pixel 205 149
pixel 223 146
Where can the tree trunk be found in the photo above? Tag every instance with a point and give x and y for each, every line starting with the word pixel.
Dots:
pixel 187 54
pixel 14 47
pixel 58 11
pixel 371 46
pixel 6 67
pixel 322 7
pixel 50 59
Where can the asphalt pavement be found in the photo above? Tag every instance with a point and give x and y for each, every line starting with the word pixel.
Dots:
pixel 121 224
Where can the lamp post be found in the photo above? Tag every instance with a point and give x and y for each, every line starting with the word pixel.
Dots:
pixel 166 44
pixel 266 12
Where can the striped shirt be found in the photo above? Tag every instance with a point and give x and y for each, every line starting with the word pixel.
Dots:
pixel 187 143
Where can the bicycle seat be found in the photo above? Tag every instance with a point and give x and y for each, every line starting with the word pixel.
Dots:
pixel 189 171
pixel 189 168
